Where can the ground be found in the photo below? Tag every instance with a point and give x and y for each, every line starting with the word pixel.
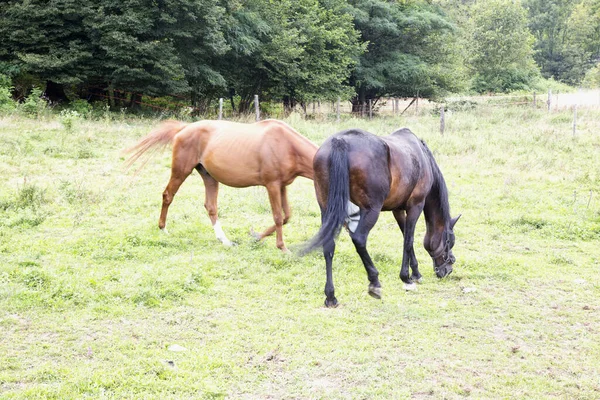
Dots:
pixel 93 296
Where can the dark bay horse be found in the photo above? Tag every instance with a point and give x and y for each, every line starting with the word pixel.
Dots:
pixel 268 153
pixel 394 173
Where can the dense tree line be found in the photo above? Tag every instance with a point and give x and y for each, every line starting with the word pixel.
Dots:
pixel 292 51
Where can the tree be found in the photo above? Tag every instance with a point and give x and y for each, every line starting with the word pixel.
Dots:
pixel 501 47
pixel 48 40
pixel 406 50
pixel 290 50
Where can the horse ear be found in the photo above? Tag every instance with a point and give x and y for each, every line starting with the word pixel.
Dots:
pixel 453 221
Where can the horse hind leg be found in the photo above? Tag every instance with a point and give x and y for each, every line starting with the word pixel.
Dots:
pixel 211 193
pixel 359 237
pixel 178 175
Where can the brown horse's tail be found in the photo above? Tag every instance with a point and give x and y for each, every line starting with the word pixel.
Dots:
pixel 158 139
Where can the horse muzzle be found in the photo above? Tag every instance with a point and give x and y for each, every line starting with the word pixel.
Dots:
pixel 443 270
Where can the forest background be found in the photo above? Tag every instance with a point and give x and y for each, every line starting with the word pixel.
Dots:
pixel 123 54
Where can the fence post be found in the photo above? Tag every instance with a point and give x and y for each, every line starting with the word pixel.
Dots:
pixel 220 108
pixel 319 106
pixel 574 118
pixel 338 109
pixel 556 106
pixel 397 101
pixel 417 104
pixel 370 108
pixel 256 107
pixel 549 99
pixel 442 121
pixel 534 102
pixel 575 112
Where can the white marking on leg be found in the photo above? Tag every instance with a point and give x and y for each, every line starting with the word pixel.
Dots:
pixel 353 217
pixel 164 230
pixel 411 287
pixel 220 234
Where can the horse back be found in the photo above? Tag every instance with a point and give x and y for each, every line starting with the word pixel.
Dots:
pixel 242 155
pixel 369 176
pixel 410 170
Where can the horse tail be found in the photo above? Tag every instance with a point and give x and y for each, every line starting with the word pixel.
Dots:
pixel 158 139
pixel 335 213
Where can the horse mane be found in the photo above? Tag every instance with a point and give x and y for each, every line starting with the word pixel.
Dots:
pixel 439 187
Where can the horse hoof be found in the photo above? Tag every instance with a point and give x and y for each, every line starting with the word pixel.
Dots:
pixel 227 243
pixel 331 303
pixel 255 234
pixel 375 292
pixel 164 230
pixel 410 287
pixel 419 280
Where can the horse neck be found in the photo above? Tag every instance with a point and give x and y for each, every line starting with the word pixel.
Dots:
pixel 305 150
pixel 436 211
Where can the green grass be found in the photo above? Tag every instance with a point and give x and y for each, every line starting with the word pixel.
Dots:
pixel 92 295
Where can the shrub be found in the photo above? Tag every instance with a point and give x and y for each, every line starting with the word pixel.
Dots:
pixel 6 101
pixel 34 104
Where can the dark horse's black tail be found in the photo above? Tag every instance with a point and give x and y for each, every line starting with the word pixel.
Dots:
pixel 335 213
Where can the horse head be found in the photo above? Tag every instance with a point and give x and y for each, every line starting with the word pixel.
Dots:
pixel 441 254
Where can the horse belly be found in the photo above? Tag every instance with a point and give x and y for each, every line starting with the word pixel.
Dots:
pixel 233 167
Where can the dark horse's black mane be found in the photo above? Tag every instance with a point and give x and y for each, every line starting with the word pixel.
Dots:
pixel 439 188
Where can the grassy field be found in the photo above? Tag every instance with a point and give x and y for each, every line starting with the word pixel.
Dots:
pixel 94 298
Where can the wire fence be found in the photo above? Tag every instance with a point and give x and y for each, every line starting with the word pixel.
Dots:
pixel 388 106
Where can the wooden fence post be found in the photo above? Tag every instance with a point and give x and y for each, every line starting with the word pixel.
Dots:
pixel 574 118
pixel 370 108
pixel 256 107
pixel 575 112
pixel 549 99
pixel 338 109
pixel 397 105
pixel 534 102
pixel 417 104
pixel 442 121
pixel 220 108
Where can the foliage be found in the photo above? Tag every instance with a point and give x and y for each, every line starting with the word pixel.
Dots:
pixel 592 77
pixel 68 119
pixel 567 36
pixel 35 104
pixel 501 52
pixel 406 52
pixel 6 101
pixel 289 51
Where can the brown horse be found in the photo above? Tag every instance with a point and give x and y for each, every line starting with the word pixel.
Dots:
pixel 394 173
pixel 268 153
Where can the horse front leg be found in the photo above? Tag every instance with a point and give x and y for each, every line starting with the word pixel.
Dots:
pixel 211 194
pixel 412 215
pixel 276 194
pixel 400 216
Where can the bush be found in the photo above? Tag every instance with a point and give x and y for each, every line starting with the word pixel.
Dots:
pixel 68 118
pixel 34 104
pixel 82 107
pixel 6 101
